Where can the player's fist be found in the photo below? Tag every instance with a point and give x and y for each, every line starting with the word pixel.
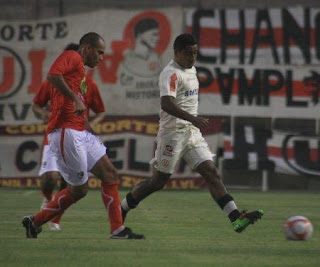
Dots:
pixel 200 122
pixel 79 107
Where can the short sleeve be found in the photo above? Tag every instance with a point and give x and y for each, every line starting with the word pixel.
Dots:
pixel 168 83
pixel 65 63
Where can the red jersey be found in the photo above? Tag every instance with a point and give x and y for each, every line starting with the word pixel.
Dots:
pixel 92 98
pixel 70 65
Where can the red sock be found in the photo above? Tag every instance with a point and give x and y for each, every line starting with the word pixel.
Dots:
pixel 111 200
pixel 60 202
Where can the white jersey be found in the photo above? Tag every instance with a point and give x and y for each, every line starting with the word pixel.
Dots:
pixel 183 85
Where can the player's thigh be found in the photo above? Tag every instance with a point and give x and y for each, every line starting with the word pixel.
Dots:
pixel 198 153
pixel 79 191
pixel 105 170
pixel 48 161
pixel 98 161
pixel 95 150
pixel 49 180
pixel 51 176
pixel 169 150
pixel 69 147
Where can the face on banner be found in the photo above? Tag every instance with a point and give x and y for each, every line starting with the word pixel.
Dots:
pixel 137 46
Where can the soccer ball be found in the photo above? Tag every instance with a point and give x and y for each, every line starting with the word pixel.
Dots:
pixel 297 228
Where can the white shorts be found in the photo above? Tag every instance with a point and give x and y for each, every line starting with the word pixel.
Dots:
pixel 76 152
pixel 186 143
pixel 48 161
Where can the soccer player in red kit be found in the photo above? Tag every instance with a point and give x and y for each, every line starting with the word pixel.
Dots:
pixel 77 150
pixel 49 172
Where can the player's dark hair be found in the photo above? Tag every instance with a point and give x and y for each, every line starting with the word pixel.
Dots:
pixel 72 46
pixel 145 25
pixel 183 40
pixel 91 38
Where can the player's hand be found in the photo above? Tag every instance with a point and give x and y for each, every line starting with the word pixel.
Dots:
pixel 200 122
pixel 79 107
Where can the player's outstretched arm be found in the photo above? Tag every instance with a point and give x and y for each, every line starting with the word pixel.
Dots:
pixel 168 105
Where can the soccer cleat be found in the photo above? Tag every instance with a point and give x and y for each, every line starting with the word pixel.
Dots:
pixel 124 214
pixel 31 231
pixel 126 233
pixel 54 226
pixel 245 219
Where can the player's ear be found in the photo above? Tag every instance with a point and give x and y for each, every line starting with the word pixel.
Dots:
pixel 86 48
pixel 89 47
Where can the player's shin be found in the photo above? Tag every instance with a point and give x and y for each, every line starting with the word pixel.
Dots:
pixel 229 207
pixel 129 202
pixel 60 202
pixel 111 200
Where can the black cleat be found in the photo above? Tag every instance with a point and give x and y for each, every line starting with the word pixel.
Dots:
pixel 126 233
pixel 31 231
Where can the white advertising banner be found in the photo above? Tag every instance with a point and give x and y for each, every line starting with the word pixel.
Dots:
pixel 260 69
pixel 138 45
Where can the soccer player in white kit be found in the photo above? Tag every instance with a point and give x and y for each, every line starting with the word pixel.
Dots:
pixel 179 136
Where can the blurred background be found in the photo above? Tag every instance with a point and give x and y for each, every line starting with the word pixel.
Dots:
pixel 258 67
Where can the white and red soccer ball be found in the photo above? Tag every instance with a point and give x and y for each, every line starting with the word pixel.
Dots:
pixel 297 228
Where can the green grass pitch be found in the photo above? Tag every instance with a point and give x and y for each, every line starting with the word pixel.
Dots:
pixel 183 228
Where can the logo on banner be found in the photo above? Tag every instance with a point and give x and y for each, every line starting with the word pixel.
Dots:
pixel 13 72
pixel 147 36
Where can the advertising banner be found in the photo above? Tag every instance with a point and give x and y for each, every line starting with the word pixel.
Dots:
pixel 259 68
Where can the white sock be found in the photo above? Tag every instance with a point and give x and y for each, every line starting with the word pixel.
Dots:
pixel 124 204
pixel 229 207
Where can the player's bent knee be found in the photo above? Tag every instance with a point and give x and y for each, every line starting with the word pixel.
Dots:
pixel 113 175
pixel 159 181
pixel 211 174
pixel 55 176
pixel 78 192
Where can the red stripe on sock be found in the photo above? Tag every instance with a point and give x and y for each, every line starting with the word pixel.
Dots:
pixel 60 202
